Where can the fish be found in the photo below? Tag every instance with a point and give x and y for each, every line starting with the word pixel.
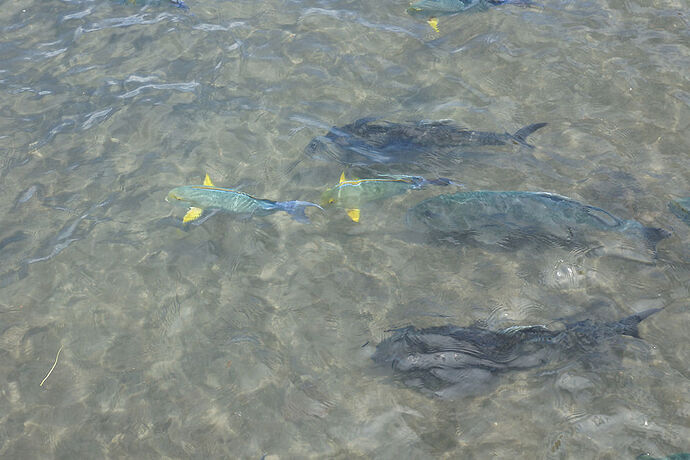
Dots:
pixel 352 194
pixel 209 197
pixel 511 219
pixel 178 3
pixel 681 209
pixel 453 361
pixel 678 456
pixel 443 7
pixel 371 141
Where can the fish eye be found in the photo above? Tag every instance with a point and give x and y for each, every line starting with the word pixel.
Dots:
pixel 331 201
pixel 429 214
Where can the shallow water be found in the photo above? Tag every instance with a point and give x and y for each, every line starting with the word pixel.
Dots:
pixel 239 338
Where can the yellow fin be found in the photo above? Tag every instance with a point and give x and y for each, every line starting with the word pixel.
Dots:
pixel 433 22
pixel 192 214
pixel 353 213
pixel 342 178
pixel 207 181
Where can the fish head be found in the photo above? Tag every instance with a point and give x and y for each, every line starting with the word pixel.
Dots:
pixel 321 148
pixel 329 197
pixel 184 196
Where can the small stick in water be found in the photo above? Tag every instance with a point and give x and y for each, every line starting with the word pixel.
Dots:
pixel 51 369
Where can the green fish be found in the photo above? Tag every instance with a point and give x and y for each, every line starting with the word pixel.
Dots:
pixel 352 194
pixel 208 196
pixel 681 456
pixel 681 208
pixel 507 218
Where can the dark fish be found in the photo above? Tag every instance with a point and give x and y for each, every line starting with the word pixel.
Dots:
pixel 510 219
pixel 680 456
pixel 442 7
pixel 451 361
pixel 370 141
pixel 681 209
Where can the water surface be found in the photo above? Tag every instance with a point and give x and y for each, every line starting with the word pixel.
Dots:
pixel 235 338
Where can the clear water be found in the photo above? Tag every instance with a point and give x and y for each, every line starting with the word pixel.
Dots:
pixel 235 339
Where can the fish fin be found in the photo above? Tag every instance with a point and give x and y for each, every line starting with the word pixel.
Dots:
pixel 207 181
pixel 192 214
pixel 353 214
pixel 433 22
pixel 628 326
pixel 342 178
pixel 654 235
pixel 521 134
pixel 296 209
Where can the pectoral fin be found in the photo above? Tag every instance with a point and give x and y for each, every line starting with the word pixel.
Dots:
pixel 433 22
pixel 192 214
pixel 207 181
pixel 353 214
pixel 342 178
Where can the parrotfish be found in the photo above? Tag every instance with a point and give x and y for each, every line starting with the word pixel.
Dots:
pixel 681 208
pixel 352 194
pixel 210 197
pixel 369 141
pixel 510 218
pixel 451 361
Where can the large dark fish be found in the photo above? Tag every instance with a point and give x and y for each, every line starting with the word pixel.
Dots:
pixel 681 208
pixel 451 361
pixel 369 141
pixel 442 7
pixel 510 219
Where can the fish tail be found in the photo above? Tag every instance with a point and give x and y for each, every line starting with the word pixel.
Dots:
pixel 628 326
pixel 296 209
pixel 521 134
pixel 442 181
pixel 653 235
pixel 180 4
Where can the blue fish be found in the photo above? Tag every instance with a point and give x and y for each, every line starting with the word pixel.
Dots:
pixel 510 219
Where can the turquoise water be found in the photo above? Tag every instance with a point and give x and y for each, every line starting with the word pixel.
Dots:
pixel 239 338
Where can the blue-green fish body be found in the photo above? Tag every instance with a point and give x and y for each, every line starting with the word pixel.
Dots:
pixel 352 194
pixel 681 208
pixel 210 197
pixel 494 217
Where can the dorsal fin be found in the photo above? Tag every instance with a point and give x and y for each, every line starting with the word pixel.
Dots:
pixel 207 181
pixel 342 178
